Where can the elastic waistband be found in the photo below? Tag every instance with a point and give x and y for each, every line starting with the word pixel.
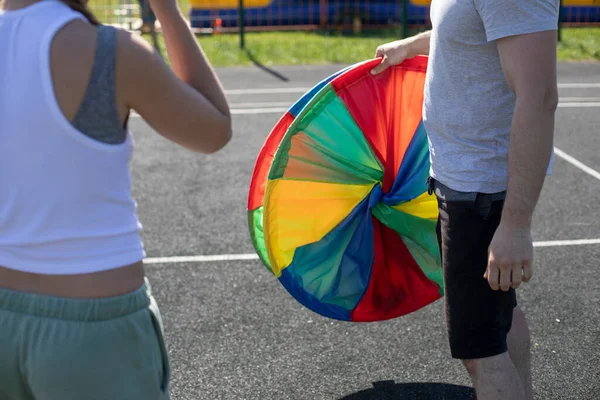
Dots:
pixel 83 310
pixel 445 193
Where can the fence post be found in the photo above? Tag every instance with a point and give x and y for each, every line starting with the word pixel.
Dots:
pixel 560 15
pixel 323 13
pixel 404 19
pixel 241 23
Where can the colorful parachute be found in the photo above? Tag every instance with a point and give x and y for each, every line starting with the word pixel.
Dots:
pixel 338 206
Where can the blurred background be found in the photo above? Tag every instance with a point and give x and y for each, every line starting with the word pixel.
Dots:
pixel 284 32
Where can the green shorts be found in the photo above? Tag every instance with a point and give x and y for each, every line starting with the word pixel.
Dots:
pixel 55 348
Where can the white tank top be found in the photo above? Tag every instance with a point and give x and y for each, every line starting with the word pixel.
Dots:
pixel 65 198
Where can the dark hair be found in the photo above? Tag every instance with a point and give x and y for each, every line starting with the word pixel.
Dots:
pixel 79 6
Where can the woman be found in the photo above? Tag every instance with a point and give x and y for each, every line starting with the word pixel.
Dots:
pixel 77 319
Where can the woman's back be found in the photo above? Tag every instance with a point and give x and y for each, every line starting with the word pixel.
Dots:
pixel 66 207
pixel 67 89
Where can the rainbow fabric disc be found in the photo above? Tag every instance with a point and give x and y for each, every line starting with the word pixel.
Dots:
pixel 345 221
pixel 263 163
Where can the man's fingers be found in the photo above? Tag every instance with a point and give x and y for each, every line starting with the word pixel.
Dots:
pixel 527 271
pixel 516 275
pixel 493 276
pixel 382 66
pixel 505 272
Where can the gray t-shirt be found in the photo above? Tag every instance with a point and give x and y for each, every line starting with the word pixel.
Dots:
pixel 468 105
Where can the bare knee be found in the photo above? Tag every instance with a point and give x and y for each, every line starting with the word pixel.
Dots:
pixel 519 337
pixel 478 366
pixel 519 323
pixel 471 366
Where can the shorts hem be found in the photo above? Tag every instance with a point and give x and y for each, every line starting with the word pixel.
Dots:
pixel 478 354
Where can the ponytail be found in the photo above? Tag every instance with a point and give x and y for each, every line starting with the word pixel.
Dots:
pixel 79 6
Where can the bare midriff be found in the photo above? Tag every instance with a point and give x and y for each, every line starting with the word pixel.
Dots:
pixel 109 283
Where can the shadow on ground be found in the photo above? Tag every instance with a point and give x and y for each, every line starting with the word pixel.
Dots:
pixel 258 64
pixel 388 390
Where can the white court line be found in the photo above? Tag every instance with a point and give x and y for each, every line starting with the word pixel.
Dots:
pixel 275 110
pixel 305 89
pixel 249 108
pixel 268 90
pixel 278 110
pixel 562 243
pixel 252 256
pixel 578 85
pixel 190 259
pixel 287 104
pixel 247 111
pixel 575 162
pixel 579 99
pixel 578 105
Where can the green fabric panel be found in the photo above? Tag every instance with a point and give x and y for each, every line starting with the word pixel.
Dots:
pixel 258 237
pixel 324 144
pixel 419 236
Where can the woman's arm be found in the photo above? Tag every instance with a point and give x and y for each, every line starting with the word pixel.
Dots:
pixel 185 104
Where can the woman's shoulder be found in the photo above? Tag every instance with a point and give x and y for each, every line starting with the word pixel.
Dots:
pixel 79 34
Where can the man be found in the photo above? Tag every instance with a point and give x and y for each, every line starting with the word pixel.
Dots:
pixel 490 98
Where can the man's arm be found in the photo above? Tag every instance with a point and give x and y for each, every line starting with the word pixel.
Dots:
pixel 420 44
pixel 396 52
pixel 529 64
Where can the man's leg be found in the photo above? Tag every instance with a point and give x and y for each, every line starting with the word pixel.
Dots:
pixel 519 349
pixel 479 319
pixel 495 378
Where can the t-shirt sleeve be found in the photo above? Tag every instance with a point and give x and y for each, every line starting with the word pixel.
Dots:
pixel 502 18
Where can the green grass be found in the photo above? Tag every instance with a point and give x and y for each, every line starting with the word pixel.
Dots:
pixel 296 48
pixel 288 48
pixel 579 44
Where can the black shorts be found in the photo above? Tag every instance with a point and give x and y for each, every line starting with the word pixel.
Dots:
pixel 478 318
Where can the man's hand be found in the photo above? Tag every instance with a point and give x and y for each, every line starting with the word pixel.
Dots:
pixel 510 259
pixel 393 53
pixel 396 52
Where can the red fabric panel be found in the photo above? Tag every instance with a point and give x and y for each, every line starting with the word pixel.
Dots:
pixel 264 160
pixel 397 286
pixel 391 118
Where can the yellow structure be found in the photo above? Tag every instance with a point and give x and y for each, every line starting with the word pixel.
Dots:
pixel 232 4
pixel 226 4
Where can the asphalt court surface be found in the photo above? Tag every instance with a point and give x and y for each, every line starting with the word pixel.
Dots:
pixel 233 332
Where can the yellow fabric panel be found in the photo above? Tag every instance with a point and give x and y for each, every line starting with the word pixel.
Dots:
pixel 302 212
pixel 575 3
pixel 567 3
pixel 226 4
pixel 424 206
pixel 422 3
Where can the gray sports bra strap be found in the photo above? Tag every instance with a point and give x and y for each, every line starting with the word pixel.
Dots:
pixel 98 116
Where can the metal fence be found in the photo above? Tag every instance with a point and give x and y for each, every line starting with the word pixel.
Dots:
pixel 225 15
pixel 580 12
pixel 306 14
pixel 123 13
